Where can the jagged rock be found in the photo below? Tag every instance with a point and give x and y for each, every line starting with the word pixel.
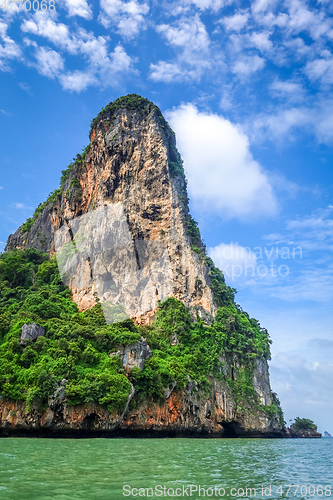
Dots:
pixel 169 389
pixel 174 340
pixel 31 332
pixel 129 173
pixel 326 435
pixel 134 354
pixel 59 394
pixel 261 381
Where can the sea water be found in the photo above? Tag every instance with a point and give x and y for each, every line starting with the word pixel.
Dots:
pixel 100 469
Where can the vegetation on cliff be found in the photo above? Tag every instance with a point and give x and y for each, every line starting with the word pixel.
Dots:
pixel 304 424
pixel 77 344
pixel 133 102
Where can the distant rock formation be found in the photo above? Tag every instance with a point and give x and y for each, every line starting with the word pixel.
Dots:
pixel 326 435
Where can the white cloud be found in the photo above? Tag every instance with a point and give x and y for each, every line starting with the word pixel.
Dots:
pixel 57 33
pixel 77 80
pixel 79 8
pixel 223 176
pixel 214 5
pixel 49 62
pixel 287 89
pixel 280 124
pixel 321 69
pixel 190 38
pixel 103 71
pixel 248 65
pixel 235 22
pixel 301 18
pixel 1 187
pixel 22 206
pixel 9 49
pixel 102 67
pixel 166 72
pixel 129 16
pixel 260 40
pixel 234 260
pixel 190 33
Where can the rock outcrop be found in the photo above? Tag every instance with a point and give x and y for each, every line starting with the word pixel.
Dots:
pixel 123 235
pixel 127 197
pixel 31 332
pixel 303 433
pixel 185 413
pixel 133 355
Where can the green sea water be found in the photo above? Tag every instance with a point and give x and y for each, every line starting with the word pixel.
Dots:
pixel 100 469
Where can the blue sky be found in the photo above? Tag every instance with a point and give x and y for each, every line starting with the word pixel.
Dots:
pixel 247 88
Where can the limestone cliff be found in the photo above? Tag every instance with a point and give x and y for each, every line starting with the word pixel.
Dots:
pixel 182 414
pixel 133 173
pixel 123 236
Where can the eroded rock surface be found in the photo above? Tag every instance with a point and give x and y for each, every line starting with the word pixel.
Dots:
pixel 31 332
pixel 182 413
pixel 133 167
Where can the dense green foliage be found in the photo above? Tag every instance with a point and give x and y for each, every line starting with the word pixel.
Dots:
pixel 303 424
pixel 76 345
pixel 223 294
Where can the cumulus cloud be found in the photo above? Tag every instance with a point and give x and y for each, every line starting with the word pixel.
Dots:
pixel 214 5
pixel 9 49
pixel 49 62
pixel 321 69
pixel 234 260
pixel 129 17
pixel 287 89
pixel 103 71
pixel 186 33
pixel 223 175
pixel 103 67
pixel 190 38
pixel 79 8
pixel 57 33
pixel 236 22
pixel 77 80
pixel 247 65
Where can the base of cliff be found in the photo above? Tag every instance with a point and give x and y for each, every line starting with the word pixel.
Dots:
pixel 175 418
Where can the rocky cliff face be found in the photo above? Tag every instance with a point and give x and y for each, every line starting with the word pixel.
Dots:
pixel 186 413
pixel 127 197
pixel 121 229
